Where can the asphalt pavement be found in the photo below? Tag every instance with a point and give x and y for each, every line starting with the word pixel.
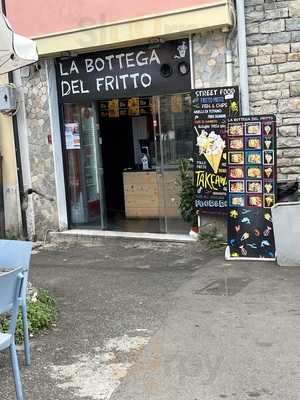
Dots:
pixel 161 321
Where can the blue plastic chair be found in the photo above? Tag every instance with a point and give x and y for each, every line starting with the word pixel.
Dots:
pixel 11 286
pixel 14 254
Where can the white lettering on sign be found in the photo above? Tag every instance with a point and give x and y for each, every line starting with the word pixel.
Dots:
pixel 89 65
pixel 129 60
pixel 146 80
pixel 134 77
pixel 73 87
pixel 99 64
pixel 139 60
pixel 154 57
pixel 120 61
pixel 73 68
pixel 117 82
pixel 62 73
pixel 126 70
pixel 119 57
pixel 123 78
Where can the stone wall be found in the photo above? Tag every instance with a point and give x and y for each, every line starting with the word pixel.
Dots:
pixel 40 151
pixel 273 41
pixel 209 50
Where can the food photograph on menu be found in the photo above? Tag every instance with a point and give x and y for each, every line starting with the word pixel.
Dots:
pixel 254 186
pixel 253 157
pixel 236 186
pixel 237 200
pixel 235 130
pixel 253 143
pixel 252 128
pixel 236 158
pixel 236 144
pixel 254 201
pixel 253 172
pixel 236 173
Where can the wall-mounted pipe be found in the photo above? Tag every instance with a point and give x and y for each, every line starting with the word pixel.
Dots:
pixel 242 46
pixel 229 45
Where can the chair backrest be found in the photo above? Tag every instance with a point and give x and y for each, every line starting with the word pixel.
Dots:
pixel 10 291
pixel 14 254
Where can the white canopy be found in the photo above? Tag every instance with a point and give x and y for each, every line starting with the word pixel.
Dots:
pixel 16 51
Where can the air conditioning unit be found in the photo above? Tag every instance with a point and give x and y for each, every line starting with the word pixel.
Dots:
pixel 8 98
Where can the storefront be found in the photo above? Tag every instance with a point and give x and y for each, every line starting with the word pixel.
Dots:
pixel 126 124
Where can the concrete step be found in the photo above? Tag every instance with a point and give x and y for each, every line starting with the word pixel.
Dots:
pixel 88 235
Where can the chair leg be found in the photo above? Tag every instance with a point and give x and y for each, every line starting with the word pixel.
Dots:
pixel 16 371
pixel 26 334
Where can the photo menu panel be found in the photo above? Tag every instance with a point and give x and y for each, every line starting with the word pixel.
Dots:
pixel 251 185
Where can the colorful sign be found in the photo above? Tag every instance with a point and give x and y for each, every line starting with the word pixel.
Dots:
pixel 210 108
pixel 251 144
pixel 72 136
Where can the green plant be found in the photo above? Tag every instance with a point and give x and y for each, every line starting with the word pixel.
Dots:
pixel 187 193
pixel 212 238
pixel 41 313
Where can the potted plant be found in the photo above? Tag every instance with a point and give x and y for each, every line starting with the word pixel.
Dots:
pixel 187 196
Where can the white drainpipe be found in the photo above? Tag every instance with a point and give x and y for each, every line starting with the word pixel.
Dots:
pixel 242 44
pixel 229 53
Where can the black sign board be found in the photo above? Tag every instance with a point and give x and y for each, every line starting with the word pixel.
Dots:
pixel 251 186
pixel 130 72
pixel 210 108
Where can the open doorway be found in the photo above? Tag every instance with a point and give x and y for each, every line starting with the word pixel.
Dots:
pixel 128 157
pixel 117 155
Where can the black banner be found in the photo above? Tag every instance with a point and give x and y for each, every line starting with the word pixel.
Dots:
pixel 130 72
pixel 251 186
pixel 210 108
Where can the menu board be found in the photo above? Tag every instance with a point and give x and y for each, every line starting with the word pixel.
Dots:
pixel 210 108
pixel 251 144
pixel 126 107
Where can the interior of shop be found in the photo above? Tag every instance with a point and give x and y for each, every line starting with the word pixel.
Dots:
pixel 122 159
pixel 127 141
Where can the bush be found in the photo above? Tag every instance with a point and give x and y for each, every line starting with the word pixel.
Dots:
pixel 187 193
pixel 41 313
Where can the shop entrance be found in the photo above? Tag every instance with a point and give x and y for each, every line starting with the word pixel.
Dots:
pixel 128 157
pixel 122 162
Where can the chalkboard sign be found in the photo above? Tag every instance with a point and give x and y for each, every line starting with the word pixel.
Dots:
pixel 210 108
pixel 251 186
pixel 146 70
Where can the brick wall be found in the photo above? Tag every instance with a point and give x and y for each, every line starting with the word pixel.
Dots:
pixel 273 39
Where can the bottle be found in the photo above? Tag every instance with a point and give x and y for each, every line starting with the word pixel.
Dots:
pixel 145 162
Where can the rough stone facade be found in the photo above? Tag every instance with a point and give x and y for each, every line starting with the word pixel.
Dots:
pixel 40 152
pixel 209 50
pixel 273 42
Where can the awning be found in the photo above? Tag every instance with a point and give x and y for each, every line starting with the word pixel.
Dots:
pixel 16 51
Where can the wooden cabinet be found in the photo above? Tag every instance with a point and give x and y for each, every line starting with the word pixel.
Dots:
pixel 143 191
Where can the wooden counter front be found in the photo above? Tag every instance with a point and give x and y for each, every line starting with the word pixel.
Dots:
pixel 143 191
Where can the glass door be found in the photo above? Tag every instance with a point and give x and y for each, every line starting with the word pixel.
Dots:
pixel 83 166
pixel 174 143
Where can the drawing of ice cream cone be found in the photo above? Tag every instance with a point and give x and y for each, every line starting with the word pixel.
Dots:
pixel 268 143
pixel 214 161
pixel 268 129
pixel 211 146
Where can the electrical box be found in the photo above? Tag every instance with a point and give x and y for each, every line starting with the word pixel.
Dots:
pixel 8 98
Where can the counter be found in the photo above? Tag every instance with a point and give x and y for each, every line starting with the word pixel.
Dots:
pixel 143 192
